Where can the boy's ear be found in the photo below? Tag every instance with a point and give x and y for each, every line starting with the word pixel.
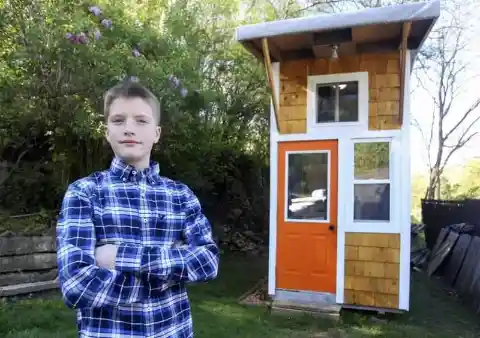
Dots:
pixel 107 135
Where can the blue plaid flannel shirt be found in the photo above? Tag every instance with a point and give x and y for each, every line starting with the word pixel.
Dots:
pixel 146 215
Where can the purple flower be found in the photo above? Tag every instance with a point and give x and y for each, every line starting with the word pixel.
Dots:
pixel 72 37
pixel 95 10
pixel 183 92
pixel 97 35
pixel 107 23
pixel 135 52
pixel 174 81
pixel 82 38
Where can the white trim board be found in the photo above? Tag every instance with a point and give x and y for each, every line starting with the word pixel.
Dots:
pixel 400 182
pixel 272 250
pixel 405 193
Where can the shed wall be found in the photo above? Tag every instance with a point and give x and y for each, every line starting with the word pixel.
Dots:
pixel 384 88
pixel 372 270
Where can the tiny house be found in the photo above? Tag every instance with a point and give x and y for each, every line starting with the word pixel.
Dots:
pixel 340 153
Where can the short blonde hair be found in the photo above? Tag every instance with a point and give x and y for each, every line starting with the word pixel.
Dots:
pixel 130 89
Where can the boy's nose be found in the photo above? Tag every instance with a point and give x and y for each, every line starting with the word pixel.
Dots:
pixel 129 130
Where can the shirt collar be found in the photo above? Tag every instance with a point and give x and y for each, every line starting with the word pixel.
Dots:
pixel 127 172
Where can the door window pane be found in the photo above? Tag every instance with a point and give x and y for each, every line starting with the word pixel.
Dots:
pixel 307 186
pixel 372 202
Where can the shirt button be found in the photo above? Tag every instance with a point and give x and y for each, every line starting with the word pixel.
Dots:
pixel 124 179
pixel 145 220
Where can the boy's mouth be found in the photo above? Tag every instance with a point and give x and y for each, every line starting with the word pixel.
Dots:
pixel 129 142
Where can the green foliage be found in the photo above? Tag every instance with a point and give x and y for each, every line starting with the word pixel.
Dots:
pixel 458 183
pixel 214 132
pixel 462 183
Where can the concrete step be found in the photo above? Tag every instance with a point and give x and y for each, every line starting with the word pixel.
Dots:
pixel 324 310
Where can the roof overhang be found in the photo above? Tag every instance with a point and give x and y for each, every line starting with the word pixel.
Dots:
pixel 372 30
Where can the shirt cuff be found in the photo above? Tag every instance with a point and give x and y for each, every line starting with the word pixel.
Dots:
pixel 129 258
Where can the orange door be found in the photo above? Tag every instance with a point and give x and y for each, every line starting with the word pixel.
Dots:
pixel 307 215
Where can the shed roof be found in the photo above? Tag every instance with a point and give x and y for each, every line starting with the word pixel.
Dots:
pixel 369 30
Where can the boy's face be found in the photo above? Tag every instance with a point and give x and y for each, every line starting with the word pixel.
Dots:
pixel 132 130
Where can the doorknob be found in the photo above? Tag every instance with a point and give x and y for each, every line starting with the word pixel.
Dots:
pixel 331 227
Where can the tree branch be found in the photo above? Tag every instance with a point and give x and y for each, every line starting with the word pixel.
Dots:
pixel 469 111
pixel 458 146
pixel 15 166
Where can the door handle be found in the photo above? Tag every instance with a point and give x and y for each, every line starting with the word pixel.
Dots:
pixel 331 227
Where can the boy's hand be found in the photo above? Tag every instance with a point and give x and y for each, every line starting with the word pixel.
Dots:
pixel 106 255
pixel 178 244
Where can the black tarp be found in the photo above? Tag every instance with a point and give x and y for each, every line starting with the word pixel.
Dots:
pixel 456 259
pixel 444 245
pixel 470 266
pixel 442 253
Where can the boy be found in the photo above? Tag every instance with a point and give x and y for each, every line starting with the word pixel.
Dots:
pixel 119 261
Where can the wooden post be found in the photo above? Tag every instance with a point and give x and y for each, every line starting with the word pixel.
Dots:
pixel 403 59
pixel 268 67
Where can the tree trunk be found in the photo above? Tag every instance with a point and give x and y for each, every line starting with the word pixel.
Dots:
pixel 433 190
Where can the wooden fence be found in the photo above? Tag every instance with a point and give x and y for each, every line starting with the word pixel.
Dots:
pixel 27 264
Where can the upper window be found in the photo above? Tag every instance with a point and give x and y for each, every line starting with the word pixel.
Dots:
pixel 337 102
pixel 338 99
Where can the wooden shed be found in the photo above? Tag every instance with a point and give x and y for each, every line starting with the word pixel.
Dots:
pixel 340 153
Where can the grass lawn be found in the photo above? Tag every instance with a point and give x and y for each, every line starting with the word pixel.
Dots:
pixel 216 313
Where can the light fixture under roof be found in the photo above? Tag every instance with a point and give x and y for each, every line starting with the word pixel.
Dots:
pixel 334 51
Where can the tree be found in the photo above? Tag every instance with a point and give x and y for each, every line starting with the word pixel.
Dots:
pixel 59 57
pixel 344 5
pixel 444 76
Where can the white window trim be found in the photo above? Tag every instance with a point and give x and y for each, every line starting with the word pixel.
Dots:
pixel 285 210
pixel 391 226
pixel 313 81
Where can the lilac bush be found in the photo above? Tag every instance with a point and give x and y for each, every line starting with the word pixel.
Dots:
pixel 105 23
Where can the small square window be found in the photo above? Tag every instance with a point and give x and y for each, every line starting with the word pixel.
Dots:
pixel 337 102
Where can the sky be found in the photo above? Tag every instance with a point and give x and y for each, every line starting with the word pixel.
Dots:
pixel 421 103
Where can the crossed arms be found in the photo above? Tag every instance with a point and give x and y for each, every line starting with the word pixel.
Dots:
pixel 85 284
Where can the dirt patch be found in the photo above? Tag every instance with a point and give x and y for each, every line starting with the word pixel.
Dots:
pixel 257 295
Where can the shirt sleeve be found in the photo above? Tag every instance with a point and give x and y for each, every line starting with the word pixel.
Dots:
pixel 82 283
pixel 197 260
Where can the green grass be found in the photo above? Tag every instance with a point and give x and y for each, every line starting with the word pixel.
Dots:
pixel 216 313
